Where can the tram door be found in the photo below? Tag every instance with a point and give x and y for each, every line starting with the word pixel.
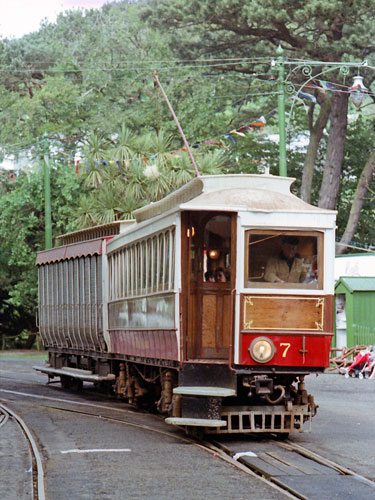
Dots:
pixel 208 274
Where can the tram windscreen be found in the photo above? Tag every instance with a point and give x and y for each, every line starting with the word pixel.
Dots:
pixel 284 259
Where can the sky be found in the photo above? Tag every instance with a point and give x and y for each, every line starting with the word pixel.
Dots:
pixel 19 17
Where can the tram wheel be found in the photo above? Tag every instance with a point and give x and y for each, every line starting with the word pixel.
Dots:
pixel 76 384
pixel 282 436
pixel 195 432
pixel 65 381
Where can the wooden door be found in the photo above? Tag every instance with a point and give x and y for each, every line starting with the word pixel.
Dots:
pixel 207 306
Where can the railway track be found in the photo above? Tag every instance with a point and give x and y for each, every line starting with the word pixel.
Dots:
pixel 298 470
pixel 37 490
pixel 288 467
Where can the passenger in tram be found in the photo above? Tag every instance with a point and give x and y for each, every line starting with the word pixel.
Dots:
pixel 287 267
pixel 220 275
pixel 209 277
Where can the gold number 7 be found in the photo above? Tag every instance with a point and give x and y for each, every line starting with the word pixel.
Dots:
pixel 284 344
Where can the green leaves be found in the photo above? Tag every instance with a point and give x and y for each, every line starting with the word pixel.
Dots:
pixel 125 171
pixel 22 234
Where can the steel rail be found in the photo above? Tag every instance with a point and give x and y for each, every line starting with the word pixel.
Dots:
pixel 216 448
pixel 289 445
pixel 206 446
pixel 4 417
pixel 296 448
pixel 34 451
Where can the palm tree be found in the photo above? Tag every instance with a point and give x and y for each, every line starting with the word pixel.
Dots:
pixel 127 172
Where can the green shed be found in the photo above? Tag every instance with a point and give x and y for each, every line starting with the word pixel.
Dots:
pixel 355 311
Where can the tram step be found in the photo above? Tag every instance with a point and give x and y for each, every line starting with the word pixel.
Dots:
pixel 219 392
pixel 75 373
pixel 197 422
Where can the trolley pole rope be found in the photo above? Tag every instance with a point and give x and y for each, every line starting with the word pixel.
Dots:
pixel 155 75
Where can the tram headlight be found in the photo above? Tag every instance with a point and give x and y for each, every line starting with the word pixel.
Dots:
pixel 262 350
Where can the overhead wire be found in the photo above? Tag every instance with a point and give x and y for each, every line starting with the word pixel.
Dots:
pixel 262 82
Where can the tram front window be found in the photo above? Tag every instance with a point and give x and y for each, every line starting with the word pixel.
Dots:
pixel 284 259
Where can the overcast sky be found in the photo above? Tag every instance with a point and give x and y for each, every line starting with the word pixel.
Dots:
pixel 18 17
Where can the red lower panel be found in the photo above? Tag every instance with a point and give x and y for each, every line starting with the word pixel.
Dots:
pixel 159 344
pixel 289 350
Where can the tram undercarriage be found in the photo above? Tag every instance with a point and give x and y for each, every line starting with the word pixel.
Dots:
pixel 238 403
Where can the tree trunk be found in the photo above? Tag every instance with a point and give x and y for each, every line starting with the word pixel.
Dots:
pixel 316 133
pixel 359 198
pixel 335 151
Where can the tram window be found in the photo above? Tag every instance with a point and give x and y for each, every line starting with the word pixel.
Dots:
pixel 287 259
pixel 217 245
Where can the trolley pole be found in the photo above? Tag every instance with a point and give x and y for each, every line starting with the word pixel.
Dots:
pixel 47 196
pixel 281 112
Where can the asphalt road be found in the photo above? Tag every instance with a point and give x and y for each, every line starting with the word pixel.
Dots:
pixel 89 458
pixel 344 428
pixel 155 465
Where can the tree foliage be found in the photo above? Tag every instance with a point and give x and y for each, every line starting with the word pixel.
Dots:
pixel 85 84
pixel 22 234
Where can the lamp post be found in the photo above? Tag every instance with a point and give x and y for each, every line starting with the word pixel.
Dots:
pixel 281 111
pixel 357 91
pixel 47 195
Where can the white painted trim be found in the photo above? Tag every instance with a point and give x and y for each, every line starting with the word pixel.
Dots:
pixel 140 231
pixel 105 298
pixel 98 450
pixel 178 282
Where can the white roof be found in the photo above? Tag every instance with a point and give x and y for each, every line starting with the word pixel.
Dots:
pixel 266 193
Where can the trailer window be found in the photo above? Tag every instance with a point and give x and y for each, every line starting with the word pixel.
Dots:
pixel 284 259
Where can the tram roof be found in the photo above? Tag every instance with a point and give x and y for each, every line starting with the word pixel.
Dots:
pixel 91 233
pixel 265 193
pixel 81 249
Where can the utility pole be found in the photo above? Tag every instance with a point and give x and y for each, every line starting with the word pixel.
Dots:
pixel 47 195
pixel 281 111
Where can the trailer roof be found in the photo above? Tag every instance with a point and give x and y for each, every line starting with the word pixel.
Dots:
pixel 82 249
pixel 91 233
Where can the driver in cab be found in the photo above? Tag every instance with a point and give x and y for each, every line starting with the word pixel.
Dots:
pixel 286 267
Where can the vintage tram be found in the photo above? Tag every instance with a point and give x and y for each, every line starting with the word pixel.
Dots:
pixel 134 306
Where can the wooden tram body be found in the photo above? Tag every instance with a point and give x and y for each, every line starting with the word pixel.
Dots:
pixel 133 310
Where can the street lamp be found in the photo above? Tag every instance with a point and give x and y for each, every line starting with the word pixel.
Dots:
pixel 358 91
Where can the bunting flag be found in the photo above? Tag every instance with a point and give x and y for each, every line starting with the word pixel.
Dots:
pixel 228 136
pixel 237 133
pixel 240 132
pixel 307 96
pixel 261 122
pixel 214 143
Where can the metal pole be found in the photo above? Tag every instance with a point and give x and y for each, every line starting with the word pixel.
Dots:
pixel 47 197
pixel 155 75
pixel 281 111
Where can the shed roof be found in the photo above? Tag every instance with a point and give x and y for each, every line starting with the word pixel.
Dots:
pixel 357 283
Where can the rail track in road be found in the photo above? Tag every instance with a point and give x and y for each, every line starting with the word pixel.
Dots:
pixel 298 470
pixel 105 413
pixel 290 468
pixel 37 476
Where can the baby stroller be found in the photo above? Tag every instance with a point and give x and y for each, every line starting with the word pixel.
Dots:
pixel 359 366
